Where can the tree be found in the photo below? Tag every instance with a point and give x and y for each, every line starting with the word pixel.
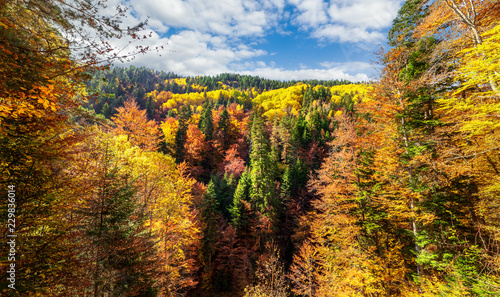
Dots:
pixel 408 18
pixel 270 276
pixel 226 261
pixel 223 129
pixel 113 178
pixel 180 135
pixel 262 170
pixel 133 122
pixel 233 164
pixel 150 108
pixel 304 271
pixel 195 149
pixel 241 195
pixel 206 123
pixel 479 110
pixel 337 229
pixel 168 136
pixel 437 63
pixel 210 218
pixel 115 228
pixel 106 110
pixel 40 90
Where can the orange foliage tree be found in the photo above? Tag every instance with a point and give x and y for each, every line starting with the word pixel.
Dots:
pixel 133 122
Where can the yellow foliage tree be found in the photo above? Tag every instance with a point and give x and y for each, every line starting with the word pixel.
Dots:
pixel 476 102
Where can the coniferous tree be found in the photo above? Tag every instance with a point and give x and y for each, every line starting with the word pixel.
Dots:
pixel 224 195
pixel 286 184
pixel 241 195
pixel 308 99
pixel 150 107
pixel 206 123
pixel 223 128
pixel 262 169
pixel 180 135
pixel 113 223
pixel 210 218
pixel 106 110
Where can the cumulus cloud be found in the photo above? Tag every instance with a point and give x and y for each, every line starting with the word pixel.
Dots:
pixel 310 13
pixel 224 17
pixel 307 73
pixel 347 34
pixel 375 14
pixel 346 20
pixel 347 66
pixel 192 53
pixel 202 37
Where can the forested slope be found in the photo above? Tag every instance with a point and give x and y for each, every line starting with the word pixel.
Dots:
pixel 135 182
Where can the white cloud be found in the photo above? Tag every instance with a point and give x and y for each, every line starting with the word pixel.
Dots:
pixel 308 73
pixel 209 37
pixel 192 53
pixel 311 12
pixel 269 4
pixel 347 34
pixel 375 14
pixel 348 66
pixel 346 20
pixel 362 20
pixel 223 17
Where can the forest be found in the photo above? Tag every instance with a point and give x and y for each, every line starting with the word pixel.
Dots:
pixel 127 181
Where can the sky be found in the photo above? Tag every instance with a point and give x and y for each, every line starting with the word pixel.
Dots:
pixel 275 39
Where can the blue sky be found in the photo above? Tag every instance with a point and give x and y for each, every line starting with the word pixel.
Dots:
pixel 276 39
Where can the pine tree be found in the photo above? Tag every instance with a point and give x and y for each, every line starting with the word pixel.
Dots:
pixel 307 99
pixel 403 26
pixel 115 230
pixel 206 123
pixel 225 190
pixel 242 194
pixel 210 218
pixel 286 184
pixel 262 170
pixel 180 135
pixel 150 108
pixel 106 110
pixel 223 129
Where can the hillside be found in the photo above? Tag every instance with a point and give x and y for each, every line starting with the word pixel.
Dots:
pixel 128 181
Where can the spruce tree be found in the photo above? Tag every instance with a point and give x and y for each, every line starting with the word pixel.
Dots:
pixel 150 108
pixel 115 228
pixel 209 215
pixel 224 195
pixel 242 193
pixel 286 184
pixel 307 99
pixel 106 110
pixel 206 123
pixel 223 127
pixel 262 169
pixel 180 135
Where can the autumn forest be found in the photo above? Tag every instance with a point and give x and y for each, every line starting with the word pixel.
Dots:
pixel 127 181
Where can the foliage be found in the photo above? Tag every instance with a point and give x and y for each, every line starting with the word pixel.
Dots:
pixel 162 185
pixel 271 277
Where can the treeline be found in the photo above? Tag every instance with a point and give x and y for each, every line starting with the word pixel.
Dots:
pixel 112 87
